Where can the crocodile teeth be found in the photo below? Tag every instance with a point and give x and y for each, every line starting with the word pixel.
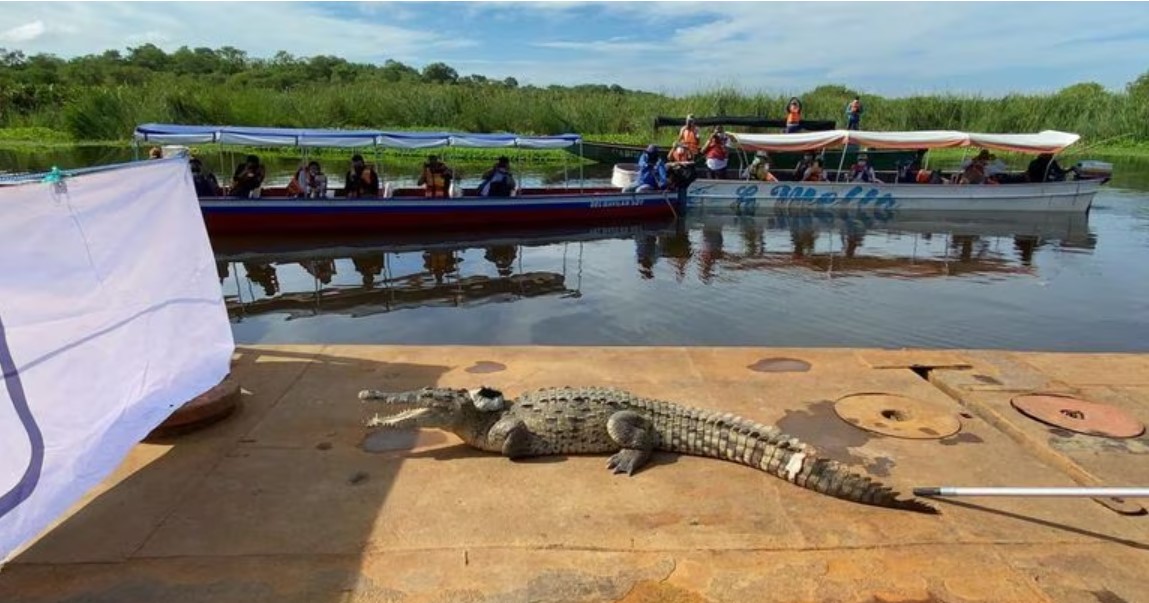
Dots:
pixel 398 418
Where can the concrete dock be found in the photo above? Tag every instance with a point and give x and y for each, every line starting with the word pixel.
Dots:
pixel 291 499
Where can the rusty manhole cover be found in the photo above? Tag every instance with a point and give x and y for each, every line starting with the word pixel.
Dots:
pixel 897 416
pixel 210 407
pixel 486 366
pixel 780 365
pixel 1078 415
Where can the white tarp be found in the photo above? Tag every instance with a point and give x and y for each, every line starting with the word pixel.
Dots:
pixel 1047 141
pixel 111 317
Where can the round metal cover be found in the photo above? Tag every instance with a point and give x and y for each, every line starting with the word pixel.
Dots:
pixel 897 416
pixel 1078 415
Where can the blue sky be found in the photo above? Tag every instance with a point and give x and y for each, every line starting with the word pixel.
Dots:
pixel 890 48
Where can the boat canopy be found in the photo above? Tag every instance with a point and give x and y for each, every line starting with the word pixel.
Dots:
pixel 298 137
pixel 1048 141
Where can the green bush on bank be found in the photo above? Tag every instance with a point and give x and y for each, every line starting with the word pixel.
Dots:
pixel 103 97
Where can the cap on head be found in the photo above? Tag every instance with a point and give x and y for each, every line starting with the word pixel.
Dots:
pixel 651 149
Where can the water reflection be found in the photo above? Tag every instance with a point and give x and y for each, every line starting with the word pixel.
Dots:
pixel 878 244
pixel 772 278
pixel 365 276
pixel 368 276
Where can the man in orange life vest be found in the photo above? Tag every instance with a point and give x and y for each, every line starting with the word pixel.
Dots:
pixel 436 178
pixel 854 114
pixel 793 115
pixel 361 180
pixel 688 136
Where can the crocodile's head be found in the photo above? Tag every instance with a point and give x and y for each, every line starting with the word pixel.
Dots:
pixel 433 408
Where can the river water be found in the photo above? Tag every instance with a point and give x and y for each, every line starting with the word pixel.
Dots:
pixel 1058 283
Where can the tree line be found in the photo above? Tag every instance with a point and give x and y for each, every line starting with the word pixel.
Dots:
pixel 103 96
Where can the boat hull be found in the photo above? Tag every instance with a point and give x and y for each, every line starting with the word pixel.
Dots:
pixel 278 216
pixel 1069 196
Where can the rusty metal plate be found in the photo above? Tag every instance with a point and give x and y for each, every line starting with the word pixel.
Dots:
pixel 897 416
pixel 1075 414
pixel 780 365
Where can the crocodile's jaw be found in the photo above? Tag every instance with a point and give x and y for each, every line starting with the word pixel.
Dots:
pixel 411 418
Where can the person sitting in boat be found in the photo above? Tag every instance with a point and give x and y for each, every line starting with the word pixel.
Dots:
pixel 688 136
pixel 854 114
pixel 816 172
pixel 436 178
pixel 717 156
pixel 248 177
pixel 680 154
pixel 759 169
pixel 498 181
pixel 361 180
pixel 974 173
pixel 205 183
pixel 862 171
pixel 1044 168
pixel 309 182
pixel 793 115
pixel 651 172
pixel 805 164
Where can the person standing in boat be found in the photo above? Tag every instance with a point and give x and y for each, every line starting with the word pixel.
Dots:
pixel 498 181
pixel 854 114
pixel 717 156
pixel 793 115
pixel 248 177
pixel 361 180
pixel 688 136
pixel 436 178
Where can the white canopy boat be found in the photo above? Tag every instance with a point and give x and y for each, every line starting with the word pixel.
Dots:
pixel 1071 195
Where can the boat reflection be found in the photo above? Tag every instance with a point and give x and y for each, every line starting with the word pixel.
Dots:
pixel 875 244
pixel 364 276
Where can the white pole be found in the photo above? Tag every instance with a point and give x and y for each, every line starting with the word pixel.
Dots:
pixel 1072 492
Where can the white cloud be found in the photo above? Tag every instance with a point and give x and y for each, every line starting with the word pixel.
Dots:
pixel 883 47
pixel 260 28
pixel 23 33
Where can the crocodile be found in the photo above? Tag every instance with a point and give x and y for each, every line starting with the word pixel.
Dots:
pixel 595 420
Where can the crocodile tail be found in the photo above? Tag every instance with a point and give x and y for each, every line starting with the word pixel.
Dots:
pixel 768 449
pixel 835 479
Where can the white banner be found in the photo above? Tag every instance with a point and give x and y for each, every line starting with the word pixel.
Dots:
pixel 111 317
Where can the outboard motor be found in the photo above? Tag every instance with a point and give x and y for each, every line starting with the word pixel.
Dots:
pixel 1088 169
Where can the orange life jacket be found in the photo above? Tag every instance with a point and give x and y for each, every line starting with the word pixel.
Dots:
pixel 793 116
pixel 679 154
pixel 715 149
pixel 689 137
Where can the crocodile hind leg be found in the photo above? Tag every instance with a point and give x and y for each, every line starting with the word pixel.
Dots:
pixel 514 435
pixel 633 433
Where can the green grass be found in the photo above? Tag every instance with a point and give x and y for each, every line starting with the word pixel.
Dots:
pixel 1110 123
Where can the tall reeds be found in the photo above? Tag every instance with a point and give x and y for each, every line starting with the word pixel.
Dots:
pixel 110 113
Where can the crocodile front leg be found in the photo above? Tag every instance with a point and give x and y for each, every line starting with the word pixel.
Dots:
pixel 514 436
pixel 633 432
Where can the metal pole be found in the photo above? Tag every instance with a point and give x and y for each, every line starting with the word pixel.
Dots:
pixel 1070 492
